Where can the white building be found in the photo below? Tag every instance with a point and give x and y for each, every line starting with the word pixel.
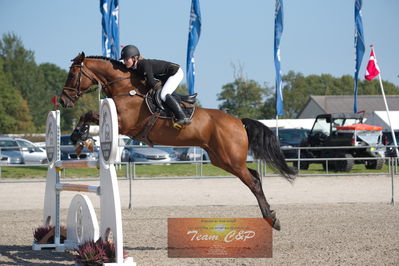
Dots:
pixel 380 118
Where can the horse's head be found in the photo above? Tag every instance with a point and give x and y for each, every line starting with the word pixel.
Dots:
pixel 78 82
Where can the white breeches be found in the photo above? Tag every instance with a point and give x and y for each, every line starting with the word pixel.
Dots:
pixel 171 84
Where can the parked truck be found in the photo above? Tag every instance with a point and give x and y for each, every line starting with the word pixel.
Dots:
pixel 352 138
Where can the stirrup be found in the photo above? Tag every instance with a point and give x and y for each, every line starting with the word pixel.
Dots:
pixel 180 126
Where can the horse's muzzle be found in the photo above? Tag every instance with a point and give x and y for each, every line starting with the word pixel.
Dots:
pixel 65 102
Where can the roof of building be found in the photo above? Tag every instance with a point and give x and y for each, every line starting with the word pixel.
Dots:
pixel 344 103
pixel 289 123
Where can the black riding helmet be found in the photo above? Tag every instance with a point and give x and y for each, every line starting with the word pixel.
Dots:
pixel 129 51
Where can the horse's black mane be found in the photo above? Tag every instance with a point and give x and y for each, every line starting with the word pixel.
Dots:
pixel 113 61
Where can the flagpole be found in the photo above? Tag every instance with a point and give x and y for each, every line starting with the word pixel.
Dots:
pixel 277 126
pixel 389 117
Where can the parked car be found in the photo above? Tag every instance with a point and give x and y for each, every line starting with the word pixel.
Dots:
pixel 122 154
pixel 9 147
pixel 192 154
pixel 198 154
pixel 20 151
pixel 289 138
pixel 137 152
pixel 4 159
pixel 170 150
pixel 124 145
pixel 340 130
pixel 179 152
pixel 68 150
pixel 31 153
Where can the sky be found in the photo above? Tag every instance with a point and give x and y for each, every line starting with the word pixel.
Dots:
pixel 317 38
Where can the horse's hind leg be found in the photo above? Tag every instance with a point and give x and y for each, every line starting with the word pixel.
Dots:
pixel 264 206
pixel 250 178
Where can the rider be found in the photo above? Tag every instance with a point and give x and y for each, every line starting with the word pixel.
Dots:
pixel 169 73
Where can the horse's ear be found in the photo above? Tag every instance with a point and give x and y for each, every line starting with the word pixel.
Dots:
pixel 79 58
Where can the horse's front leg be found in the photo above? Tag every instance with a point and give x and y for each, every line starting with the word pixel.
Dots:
pixel 81 131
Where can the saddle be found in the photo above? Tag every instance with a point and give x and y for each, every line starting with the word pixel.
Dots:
pixel 159 110
pixel 156 105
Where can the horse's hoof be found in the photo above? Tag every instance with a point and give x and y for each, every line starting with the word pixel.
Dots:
pixel 89 144
pixel 78 148
pixel 276 224
pixel 274 221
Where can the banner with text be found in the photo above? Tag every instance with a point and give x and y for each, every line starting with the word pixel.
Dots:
pixel 219 238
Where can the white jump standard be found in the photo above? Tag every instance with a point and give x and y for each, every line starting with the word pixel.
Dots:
pixel 82 222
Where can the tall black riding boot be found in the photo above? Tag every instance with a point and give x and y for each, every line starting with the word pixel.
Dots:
pixel 174 106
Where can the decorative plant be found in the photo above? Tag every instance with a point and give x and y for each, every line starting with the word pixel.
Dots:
pixel 47 232
pixel 95 253
pixel 40 232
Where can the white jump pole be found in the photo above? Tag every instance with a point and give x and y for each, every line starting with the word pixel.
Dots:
pixel 82 223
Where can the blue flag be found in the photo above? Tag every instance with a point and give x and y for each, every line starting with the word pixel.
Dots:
pixel 278 31
pixel 359 46
pixel 110 22
pixel 193 37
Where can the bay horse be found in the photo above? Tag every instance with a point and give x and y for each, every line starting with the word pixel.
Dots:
pixel 226 138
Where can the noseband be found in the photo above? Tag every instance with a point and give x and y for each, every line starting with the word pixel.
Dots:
pixel 78 91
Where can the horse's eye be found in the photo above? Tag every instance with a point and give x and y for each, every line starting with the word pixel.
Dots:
pixel 71 76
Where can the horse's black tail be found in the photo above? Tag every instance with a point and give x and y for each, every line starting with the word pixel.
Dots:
pixel 265 146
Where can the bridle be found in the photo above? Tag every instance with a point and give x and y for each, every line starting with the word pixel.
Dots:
pixel 78 91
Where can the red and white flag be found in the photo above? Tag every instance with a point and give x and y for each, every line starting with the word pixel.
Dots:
pixel 372 69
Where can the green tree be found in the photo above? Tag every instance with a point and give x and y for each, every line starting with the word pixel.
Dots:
pixel 19 64
pixel 242 98
pixel 14 111
pixel 297 89
pixel 24 75
pixel 69 117
pixel 53 80
pixel 366 87
pixel 38 84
